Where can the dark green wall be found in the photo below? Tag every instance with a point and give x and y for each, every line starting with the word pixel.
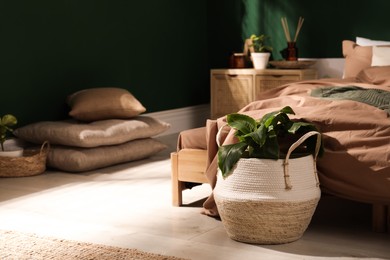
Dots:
pixel 326 24
pixel 49 49
pixel 161 51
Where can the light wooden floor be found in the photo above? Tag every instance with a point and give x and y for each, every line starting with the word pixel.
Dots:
pixel 129 205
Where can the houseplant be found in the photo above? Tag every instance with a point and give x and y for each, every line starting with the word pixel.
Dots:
pixel 6 122
pixel 260 52
pixel 267 186
pixel 261 138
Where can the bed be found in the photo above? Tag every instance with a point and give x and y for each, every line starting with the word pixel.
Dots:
pixel 353 114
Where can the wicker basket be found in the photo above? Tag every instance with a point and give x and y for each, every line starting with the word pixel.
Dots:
pixel 269 201
pixel 33 162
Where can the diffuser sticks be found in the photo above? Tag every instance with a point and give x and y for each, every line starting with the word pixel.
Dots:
pixel 287 31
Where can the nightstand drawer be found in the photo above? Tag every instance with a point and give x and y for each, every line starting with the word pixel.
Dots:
pixel 271 81
pixel 230 93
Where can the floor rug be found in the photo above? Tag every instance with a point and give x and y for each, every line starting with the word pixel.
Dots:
pixel 18 245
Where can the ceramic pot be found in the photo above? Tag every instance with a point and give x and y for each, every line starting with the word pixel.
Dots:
pixel 260 59
pixel 15 152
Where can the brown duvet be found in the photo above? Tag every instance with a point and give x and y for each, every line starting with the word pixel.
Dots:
pixel 356 162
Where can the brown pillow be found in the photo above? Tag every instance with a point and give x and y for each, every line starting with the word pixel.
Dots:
pixel 375 75
pixel 357 58
pixel 76 159
pixel 103 103
pixel 98 133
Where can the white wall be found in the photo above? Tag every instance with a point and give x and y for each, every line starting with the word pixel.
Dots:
pixel 329 67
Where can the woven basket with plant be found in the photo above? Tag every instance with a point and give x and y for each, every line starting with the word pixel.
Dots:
pixel 265 194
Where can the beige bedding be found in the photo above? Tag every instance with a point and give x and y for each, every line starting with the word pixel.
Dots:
pixel 356 162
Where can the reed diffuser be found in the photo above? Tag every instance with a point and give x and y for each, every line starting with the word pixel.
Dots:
pixel 291 51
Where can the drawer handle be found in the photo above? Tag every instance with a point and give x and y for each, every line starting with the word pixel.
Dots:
pixel 232 75
pixel 277 76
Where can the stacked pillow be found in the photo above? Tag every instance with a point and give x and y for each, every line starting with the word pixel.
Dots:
pixel 106 129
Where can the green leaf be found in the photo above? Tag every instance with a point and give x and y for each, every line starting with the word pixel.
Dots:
pixel 270 150
pixel 273 118
pixel 272 133
pixel 294 128
pixel 242 123
pixel 259 135
pixel 287 110
pixel 228 156
pixel 5 123
pixel 8 120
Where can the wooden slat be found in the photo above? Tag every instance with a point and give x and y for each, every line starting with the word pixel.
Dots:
pixel 187 165
pixel 177 199
pixel 192 165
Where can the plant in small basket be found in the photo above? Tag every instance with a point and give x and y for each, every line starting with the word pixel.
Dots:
pixel 267 187
pixel 6 124
pixel 15 161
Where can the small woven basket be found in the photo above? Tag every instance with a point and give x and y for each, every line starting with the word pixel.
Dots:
pixel 33 162
pixel 268 201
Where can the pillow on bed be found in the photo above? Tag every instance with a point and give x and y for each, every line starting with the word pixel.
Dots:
pixel 103 103
pixel 380 56
pixel 375 75
pixel 368 42
pixel 98 133
pixel 76 159
pixel 357 58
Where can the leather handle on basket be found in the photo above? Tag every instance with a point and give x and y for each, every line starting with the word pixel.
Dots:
pixel 293 147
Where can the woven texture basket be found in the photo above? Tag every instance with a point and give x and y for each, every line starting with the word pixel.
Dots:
pixel 33 162
pixel 268 201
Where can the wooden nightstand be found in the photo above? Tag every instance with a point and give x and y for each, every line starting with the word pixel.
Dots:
pixel 232 89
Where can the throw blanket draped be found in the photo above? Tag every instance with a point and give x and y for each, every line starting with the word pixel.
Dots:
pixel 375 97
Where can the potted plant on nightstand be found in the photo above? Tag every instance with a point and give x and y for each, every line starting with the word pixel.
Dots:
pixel 267 185
pixel 6 122
pixel 260 52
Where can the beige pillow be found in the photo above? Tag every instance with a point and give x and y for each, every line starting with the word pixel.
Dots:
pixel 357 58
pixel 104 103
pixel 380 56
pixel 375 75
pixel 98 133
pixel 76 159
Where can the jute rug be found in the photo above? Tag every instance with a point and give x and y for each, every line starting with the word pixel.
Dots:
pixel 17 245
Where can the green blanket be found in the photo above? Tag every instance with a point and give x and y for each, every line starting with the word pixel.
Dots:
pixel 374 97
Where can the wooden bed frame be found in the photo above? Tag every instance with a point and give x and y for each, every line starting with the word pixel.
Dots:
pixel 189 165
